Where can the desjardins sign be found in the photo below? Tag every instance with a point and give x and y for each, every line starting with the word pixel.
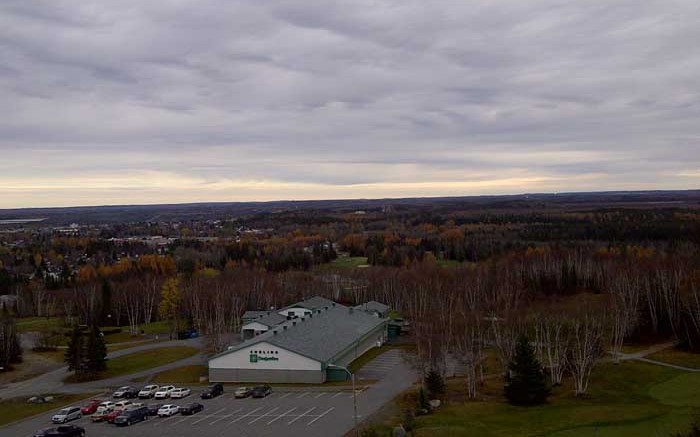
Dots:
pixel 254 358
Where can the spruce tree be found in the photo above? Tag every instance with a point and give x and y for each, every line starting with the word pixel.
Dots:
pixel 526 383
pixel 435 384
pixel 73 355
pixel 96 351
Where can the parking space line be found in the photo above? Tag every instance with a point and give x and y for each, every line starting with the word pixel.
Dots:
pixel 263 415
pixel 246 415
pixel 165 420
pixel 226 416
pixel 336 395
pixel 299 417
pixel 302 395
pixel 281 416
pixel 285 395
pixel 323 414
pixel 183 419
pixel 208 416
pixel 319 395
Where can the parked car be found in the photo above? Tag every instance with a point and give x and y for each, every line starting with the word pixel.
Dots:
pixel 261 391
pixel 153 409
pixel 106 404
pixel 242 392
pixel 109 418
pixel 90 407
pixel 121 405
pixel 168 410
pixel 132 415
pixel 61 431
pixel 66 415
pixel 212 391
pixel 180 393
pixel 190 409
pixel 148 392
pixel 125 392
pixel 101 414
pixel 164 392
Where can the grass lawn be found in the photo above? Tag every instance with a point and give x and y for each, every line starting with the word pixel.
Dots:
pixel 348 262
pixel 677 357
pixel 29 324
pixel 144 360
pixel 629 399
pixel 12 410
pixel 449 263
pixel 113 347
pixel 181 375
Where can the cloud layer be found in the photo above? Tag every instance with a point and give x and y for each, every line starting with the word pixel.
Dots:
pixel 181 101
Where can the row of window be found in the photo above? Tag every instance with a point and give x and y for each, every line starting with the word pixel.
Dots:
pixel 265 352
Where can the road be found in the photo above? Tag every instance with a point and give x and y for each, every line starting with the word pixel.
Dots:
pixel 52 382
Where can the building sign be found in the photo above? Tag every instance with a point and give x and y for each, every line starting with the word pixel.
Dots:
pixel 254 358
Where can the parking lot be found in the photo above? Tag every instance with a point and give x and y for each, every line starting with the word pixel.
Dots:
pixel 291 413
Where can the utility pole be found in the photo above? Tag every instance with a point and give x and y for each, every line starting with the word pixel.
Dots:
pixel 354 395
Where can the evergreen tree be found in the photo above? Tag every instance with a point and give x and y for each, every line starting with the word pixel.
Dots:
pixel 525 383
pixel 435 384
pixel 10 349
pixel 96 351
pixel 73 355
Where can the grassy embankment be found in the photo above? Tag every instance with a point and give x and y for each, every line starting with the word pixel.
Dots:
pixel 144 360
pixel 12 410
pixel 628 399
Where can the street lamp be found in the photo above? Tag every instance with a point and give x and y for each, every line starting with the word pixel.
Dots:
pixel 354 393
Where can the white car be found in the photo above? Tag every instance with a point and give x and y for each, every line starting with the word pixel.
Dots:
pixel 66 414
pixel 180 393
pixel 164 392
pixel 148 391
pixel 106 404
pixel 121 405
pixel 168 410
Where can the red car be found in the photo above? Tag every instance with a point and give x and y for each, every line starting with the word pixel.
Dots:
pixel 113 415
pixel 91 407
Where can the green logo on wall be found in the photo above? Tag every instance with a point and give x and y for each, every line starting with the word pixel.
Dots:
pixel 254 358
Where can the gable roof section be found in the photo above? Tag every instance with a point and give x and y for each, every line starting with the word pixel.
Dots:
pixel 373 305
pixel 320 337
pixel 315 303
pixel 269 320
pixel 250 315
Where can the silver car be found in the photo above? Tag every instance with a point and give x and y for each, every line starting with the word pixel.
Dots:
pixel 67 414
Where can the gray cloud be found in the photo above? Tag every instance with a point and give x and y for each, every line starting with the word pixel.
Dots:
pixel 345 99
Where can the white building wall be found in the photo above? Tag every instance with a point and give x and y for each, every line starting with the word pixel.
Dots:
pixel 286 360
pixel 255 326
pixel 294 311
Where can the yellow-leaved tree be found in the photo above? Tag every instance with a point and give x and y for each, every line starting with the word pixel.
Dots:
pixel 169 308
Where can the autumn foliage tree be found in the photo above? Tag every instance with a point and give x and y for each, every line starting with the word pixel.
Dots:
pixel 169 308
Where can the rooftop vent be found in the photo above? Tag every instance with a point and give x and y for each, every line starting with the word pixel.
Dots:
pixel 294 323
pixel 274 332
pixel 333 304
pixel 284 327
pixel 350 310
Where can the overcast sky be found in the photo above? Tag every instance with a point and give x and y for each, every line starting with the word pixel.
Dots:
pixel 133 101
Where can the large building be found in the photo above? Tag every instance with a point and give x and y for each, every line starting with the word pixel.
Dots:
pixel 314 338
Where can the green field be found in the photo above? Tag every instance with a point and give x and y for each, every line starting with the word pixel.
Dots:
pixel 144 360
pixel 677 357
pixel 29 324
pixel 629 399
pixel 182 375
pixel 348 262
pixel 12 410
